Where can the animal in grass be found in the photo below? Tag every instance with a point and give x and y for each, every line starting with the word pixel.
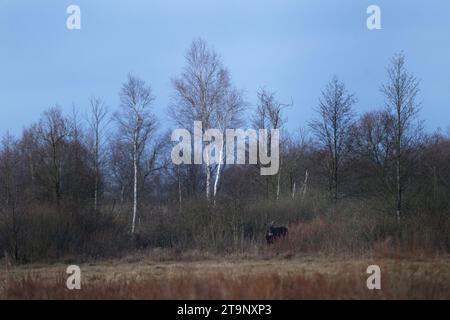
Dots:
pixel 273 234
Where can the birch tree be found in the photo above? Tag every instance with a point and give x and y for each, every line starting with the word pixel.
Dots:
pixel 269 115
pixel 203 92
pixel 227 116
pixel 400 93
pixel 137 125
pixel 97 124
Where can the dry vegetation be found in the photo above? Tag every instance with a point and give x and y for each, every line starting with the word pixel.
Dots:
pixel 150 276
pixel 323 257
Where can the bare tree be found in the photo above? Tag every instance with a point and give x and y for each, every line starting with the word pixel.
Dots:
pixel 333 126
pixel 373 148
pixel 52 131
pixel 203 92
pixel 373 134
pixel 137 125
pixel 400 93
pixel 269 115
pixel 98 125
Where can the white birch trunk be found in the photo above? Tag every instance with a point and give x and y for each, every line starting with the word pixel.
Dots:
pixel 216 182
pixel 278 180
pixel 208 177
pixel 293 191
pixel 208 182
pixel 135 164
pixel 305 184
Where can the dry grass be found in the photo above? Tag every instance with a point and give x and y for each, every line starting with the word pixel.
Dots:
pixel 307 277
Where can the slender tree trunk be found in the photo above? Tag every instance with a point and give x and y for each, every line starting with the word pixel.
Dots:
pixel 399 192
pixel 335 160
pixel 96 194
pixel 208 178
pixel 122 194
pixel 293 191
pixel 279 180
pixel 15 233
pixel 57 182
pixel 7 185
pixel 216 182
pixel 135 165
pixel 336 183
pixel 208 182
pixel 305 184
pixel 96 182
pixel 179 190
pixel 96 169
pixel 292 184
pixel 31 168
pixel 398 173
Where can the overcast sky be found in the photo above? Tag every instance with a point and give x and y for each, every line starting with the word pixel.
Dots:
pixel 290 47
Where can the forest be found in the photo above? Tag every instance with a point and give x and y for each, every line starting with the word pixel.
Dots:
pixel 102 184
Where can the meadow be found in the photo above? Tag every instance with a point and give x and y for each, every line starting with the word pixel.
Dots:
pixel 165 274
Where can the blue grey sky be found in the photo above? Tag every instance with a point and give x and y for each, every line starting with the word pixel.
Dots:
pixel 292 47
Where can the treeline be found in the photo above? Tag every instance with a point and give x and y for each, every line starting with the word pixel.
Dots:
pixel 103 183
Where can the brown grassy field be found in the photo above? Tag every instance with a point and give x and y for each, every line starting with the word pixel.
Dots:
pixel 289 277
